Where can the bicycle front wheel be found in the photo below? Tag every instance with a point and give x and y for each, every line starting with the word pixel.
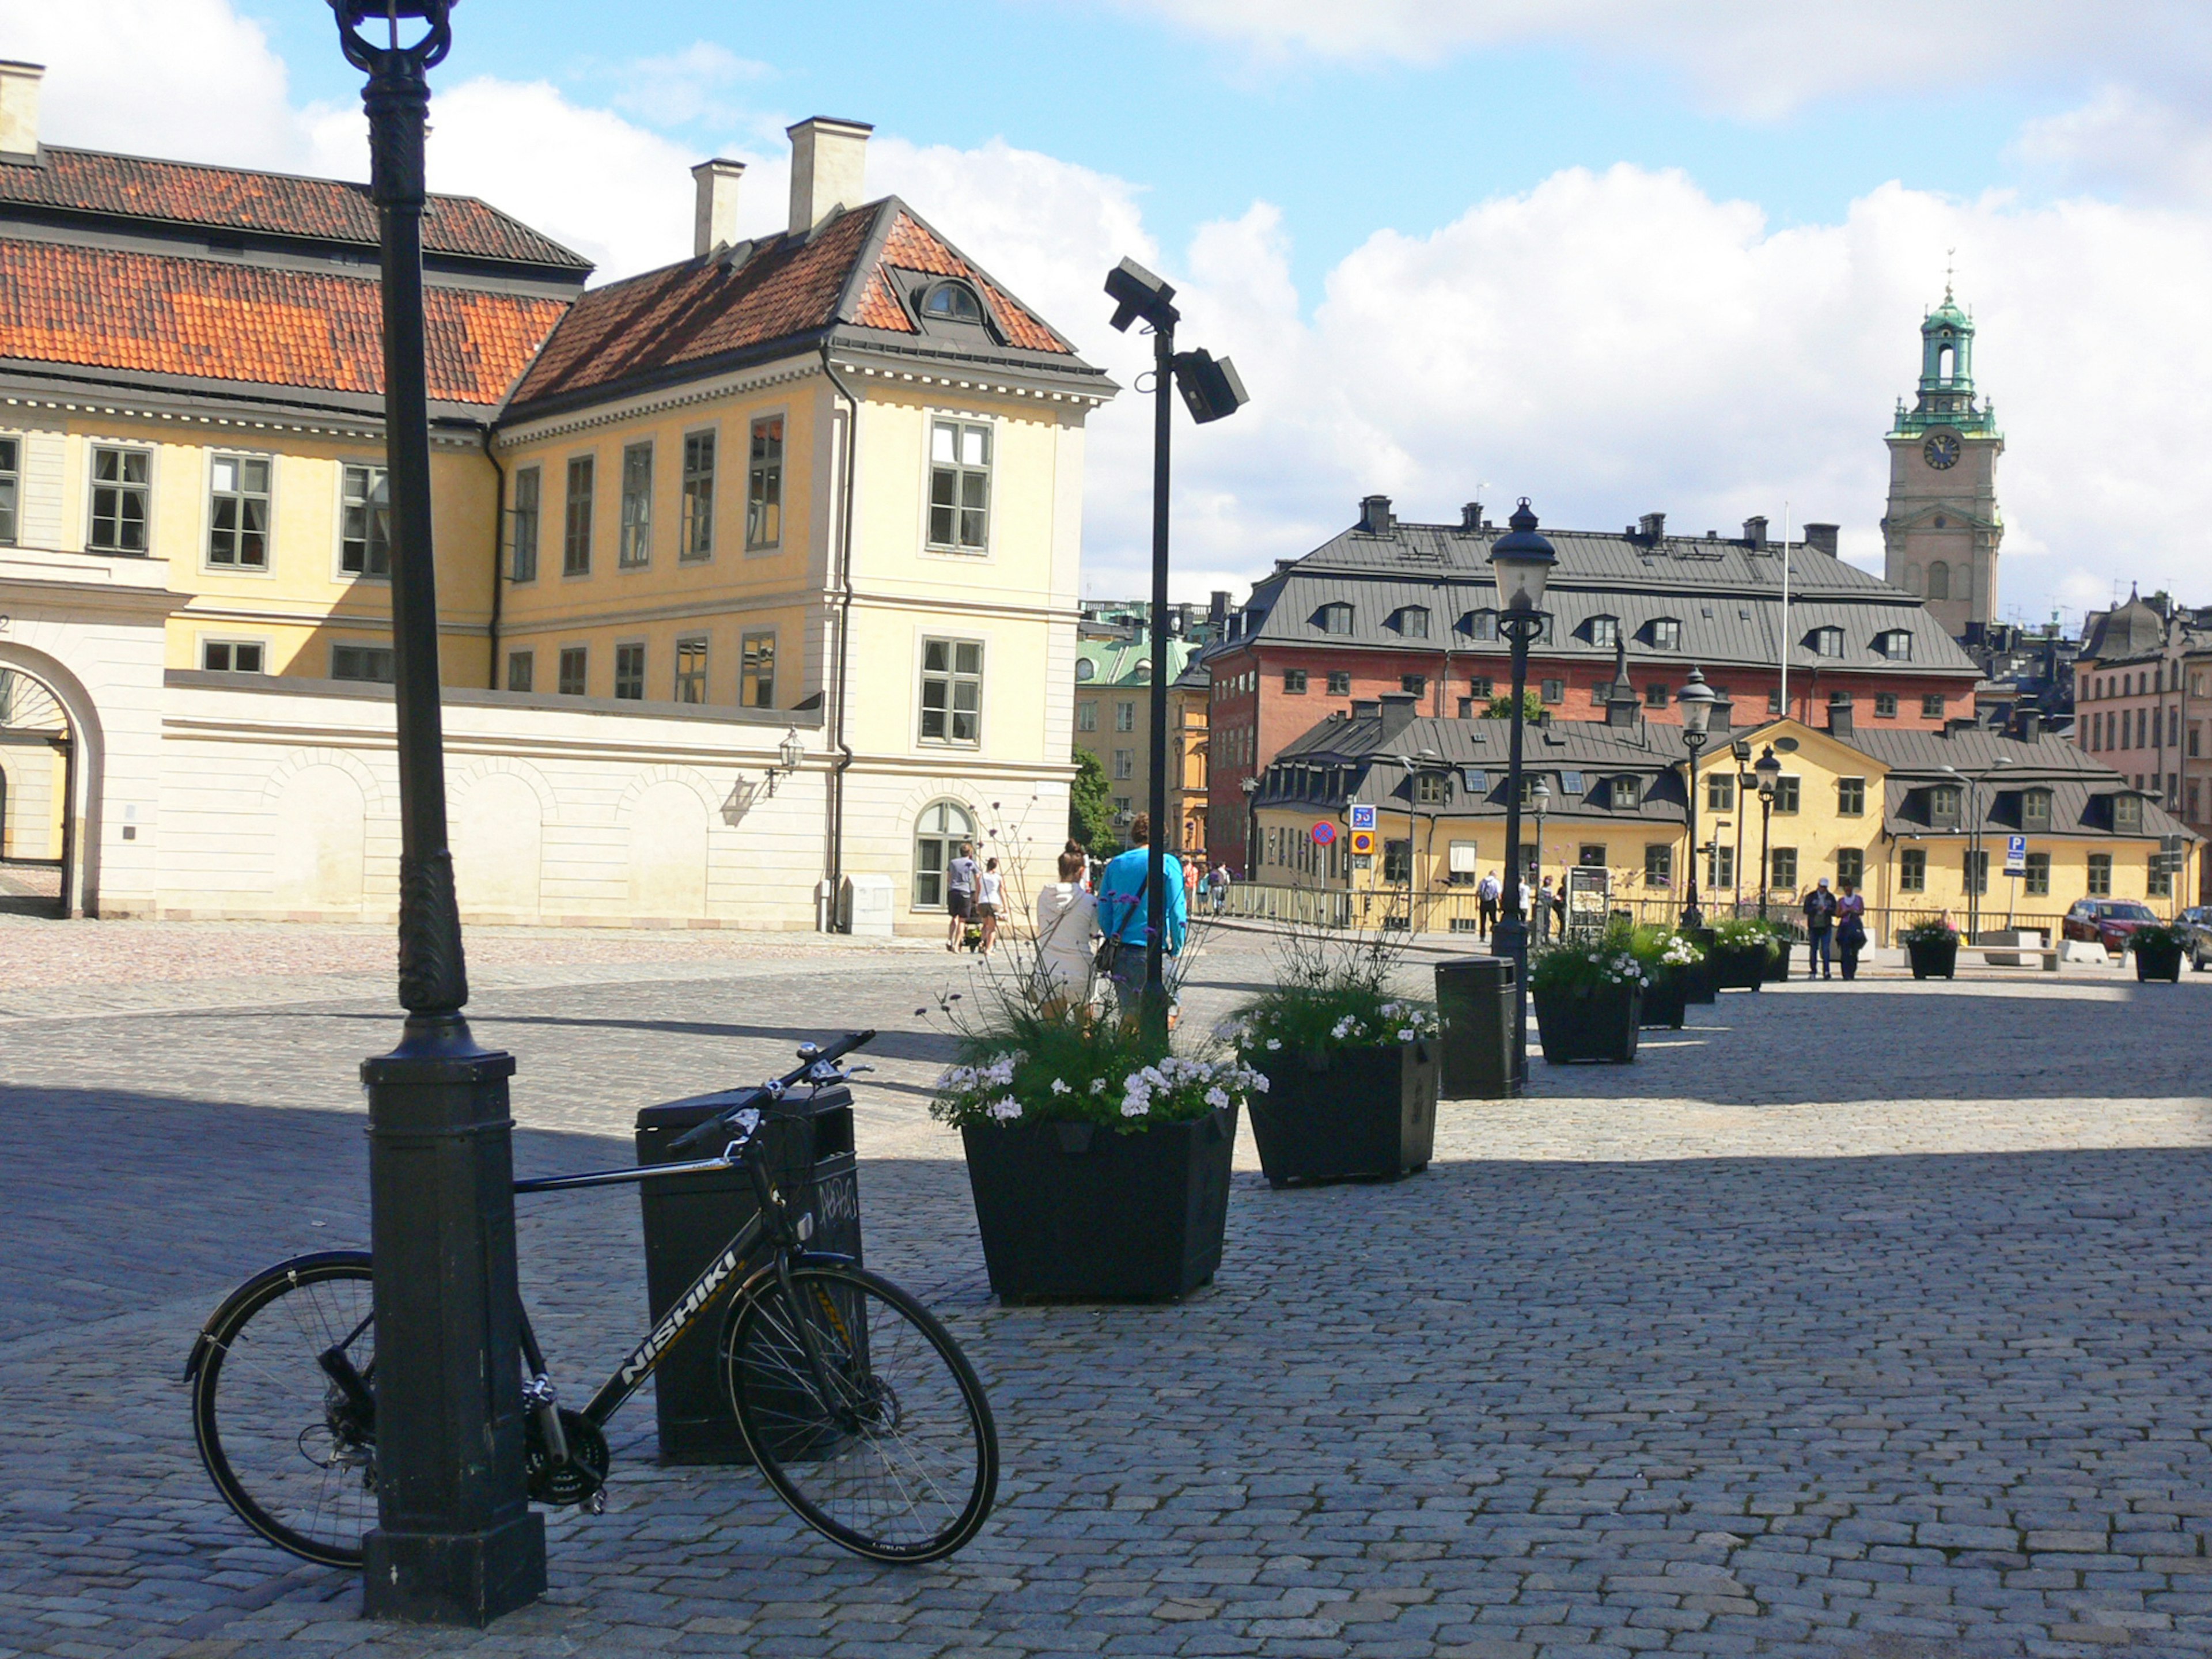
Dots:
pixel 889 1447
pixel 283 1406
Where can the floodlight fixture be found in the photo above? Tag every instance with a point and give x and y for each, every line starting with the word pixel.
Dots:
pixel 1137 293
pixel 1210 387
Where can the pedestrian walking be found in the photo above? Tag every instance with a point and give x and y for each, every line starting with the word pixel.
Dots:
pixel 1124 913
pixel 1544 912
pixel 1820 909
pixel 990 891
pixel 1190 878
pixel 1486 904
pixel 959 894
pixel 1851 930
pixel 1067 920
pixel 1220 894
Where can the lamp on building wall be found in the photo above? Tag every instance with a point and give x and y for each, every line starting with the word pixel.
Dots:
pixel 1521 561
pixel 455 1543
pixel 1768 771
pixel 788 754
pixel 1697 700
pixel 1211 391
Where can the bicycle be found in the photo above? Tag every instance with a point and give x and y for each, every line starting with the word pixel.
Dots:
pixel 859 1408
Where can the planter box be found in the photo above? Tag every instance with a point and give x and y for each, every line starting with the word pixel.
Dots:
pixel 2158 961
pixel 1736 968
pixel 1667 998
pixel 1601 1026
pixel 1933 958
pixel 1777 967
pixel 1072 1211
pixel 1703 989
pixel 1347 1114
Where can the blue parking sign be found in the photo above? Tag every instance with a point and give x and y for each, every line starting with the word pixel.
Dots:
pixel 1363 817
pixel 2016 855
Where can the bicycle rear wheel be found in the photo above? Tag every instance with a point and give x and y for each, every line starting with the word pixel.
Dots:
pixel 897 1459
pixel 284 1407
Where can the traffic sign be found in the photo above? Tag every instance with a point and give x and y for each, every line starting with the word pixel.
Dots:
pixel 2016 855
pixel 1363 840
pixel 1324 833
pixel 1363 817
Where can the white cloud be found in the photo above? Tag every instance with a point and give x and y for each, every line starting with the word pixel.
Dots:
pixel 688 87
pixel 2124 143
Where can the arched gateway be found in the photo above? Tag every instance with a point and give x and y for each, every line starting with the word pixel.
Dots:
pixel 38 783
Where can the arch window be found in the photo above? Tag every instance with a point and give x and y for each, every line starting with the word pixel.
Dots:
pixel 952 302
pixel 944 825
pixel 1939 580
pixel 1333 618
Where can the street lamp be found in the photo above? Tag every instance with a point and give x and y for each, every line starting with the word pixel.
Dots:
pixel 455 1543
pixel 1768 773
pixel 1540 802
pixel 1977 872
pixel 1521 561
pixel 1697 702
pixel 1212 392
pixel 1415 770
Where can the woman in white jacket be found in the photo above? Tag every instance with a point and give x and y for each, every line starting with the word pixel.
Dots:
pixel 1067 925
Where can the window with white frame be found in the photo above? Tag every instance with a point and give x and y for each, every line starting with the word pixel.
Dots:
pixel 634 549
pixel 574 667
pixel 234 656
pixel 238 511
pixel 691 668
pixel 364 522
pixel 757 671
pixel 952 691
pixel 521 670
pixel 522 525
pixel 765 485
pixel 1086 716
pixel 696 538
pixel 1125 716
pixel 1412 622
pixel 1481 624
pixel 11 474
pixel 1667 635
pixel 938 835
pixel 1896 645
pixel 122 481
pixel 1825 642
pixel 1125 764
pixel 361 662
pixel 629 672
pixel 577 527
pixel 1605 631
pixel 959 485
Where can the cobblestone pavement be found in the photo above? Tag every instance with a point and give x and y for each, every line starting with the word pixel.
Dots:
pixel 1858 1319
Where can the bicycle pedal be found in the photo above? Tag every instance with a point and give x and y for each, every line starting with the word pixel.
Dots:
pixel 597 1502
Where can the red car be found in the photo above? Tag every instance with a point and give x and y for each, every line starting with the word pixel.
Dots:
pixel 2108 921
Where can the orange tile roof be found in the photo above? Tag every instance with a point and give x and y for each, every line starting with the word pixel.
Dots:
pixel 159 314
pixel 275 204
pixel 788 287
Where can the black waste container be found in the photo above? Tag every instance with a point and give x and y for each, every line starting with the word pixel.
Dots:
pixel 1475 995
pixel 690 1218
pixel 1700 983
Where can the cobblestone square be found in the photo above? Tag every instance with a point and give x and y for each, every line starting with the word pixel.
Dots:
pixel 1857 1319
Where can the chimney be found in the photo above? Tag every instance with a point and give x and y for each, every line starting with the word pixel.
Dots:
pixel 2031 725
pixel 1216 612
pixel 1470 516
pixel 827 159
pixel 1839 714
pixel 1754 530
pixel 19 110
pixel 1651 526
pixel 1364 709
pixel 1821 538
pixel 1399 709
pixel 714 215
pixel 1375 515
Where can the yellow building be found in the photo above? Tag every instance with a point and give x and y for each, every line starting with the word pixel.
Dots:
pixel 1913 820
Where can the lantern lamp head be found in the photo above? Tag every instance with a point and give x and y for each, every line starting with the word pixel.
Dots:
pixel 1697 699
pixel 356 17
pixel 1769 771
pixel 1522 560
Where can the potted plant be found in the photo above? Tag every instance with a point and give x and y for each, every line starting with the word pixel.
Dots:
pixel 2158 947
pixel 1674 970
pixel 1098 1160
pixel 1931 944
pixel 1351 1068
pixel 1590 997
pixel 1743 950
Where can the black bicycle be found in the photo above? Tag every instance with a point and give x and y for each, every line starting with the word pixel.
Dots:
pixel 859 1408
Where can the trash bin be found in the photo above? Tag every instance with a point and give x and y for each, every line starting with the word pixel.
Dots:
pixel 1475 996
pixel 689 1219
pixel 1700 984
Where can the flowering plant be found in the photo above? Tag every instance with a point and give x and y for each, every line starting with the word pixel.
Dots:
pixel 1327 994
pixel 1659 948
pixel 1580 966
pixel 1035 1068
pixel 1746 933
pixel 1928 930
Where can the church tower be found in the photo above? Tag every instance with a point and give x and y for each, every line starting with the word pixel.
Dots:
pixel 1941 532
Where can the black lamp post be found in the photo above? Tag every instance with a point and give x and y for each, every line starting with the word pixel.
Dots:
pixel 1212 392
pixel 1697 701
pixel 1768 773
pixel 1540 802
pixel 1521 561
pixel 1977 872
pixel 455 1541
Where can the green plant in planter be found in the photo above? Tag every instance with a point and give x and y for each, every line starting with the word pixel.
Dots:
pixel 2158 936
pixel 1329 993
pixel 1658 948
pixel 1032 1068
pixel 1746 933
pixel 1927 930
pixel 1583 967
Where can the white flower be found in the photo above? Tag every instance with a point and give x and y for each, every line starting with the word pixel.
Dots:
pixel 1006 1110
pixel 1275 1042
pixel 1257 1081
pixel 1059 1087
pixel 1405 1033
pixel 1098 1086
pixel 1135 1107
pixel 1217 1097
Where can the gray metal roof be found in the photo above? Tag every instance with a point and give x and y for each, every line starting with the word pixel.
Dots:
pixel 1726 594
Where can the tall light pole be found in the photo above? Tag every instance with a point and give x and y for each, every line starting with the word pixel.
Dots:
pixel 1696 702
pixel 1768 773
pixel 455 1543
pixel 1540 802
pixel 1975 870
pixel 1521 561
pixel 1211 391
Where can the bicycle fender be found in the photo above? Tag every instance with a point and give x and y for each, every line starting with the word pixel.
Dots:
pixel 253 1286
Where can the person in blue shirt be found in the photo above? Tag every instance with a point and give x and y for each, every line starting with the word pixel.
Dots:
pixel 1123 906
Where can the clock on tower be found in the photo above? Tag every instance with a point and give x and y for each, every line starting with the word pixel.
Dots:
pixel 1941 531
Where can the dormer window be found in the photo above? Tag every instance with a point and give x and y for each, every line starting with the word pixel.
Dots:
pixel 1412 622
pixel 1896 645
pixel 1628 794
pixel 1334 618
pixel 1944 803
pixel 2127 815
pixel 952 302
pixel 1666 635
pixel 1604 632
pixel 1479 624
pixel 2035 808
pixel 1825 642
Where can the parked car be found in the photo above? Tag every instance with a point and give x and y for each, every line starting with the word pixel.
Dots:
pixel 2196 929
pixel 2108 921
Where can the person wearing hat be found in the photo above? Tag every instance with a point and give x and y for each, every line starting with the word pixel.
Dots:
pixel 1820 931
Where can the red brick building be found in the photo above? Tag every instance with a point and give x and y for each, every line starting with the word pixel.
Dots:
pixel 1394 607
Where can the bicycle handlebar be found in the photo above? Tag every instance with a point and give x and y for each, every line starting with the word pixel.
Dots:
pixel 810 1064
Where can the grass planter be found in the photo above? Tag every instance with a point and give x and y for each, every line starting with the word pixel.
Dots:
pixel 2158 961
pixel 1737 967
pixel 1075 1212
pixel 1599 1026
pixel 1933 958
pixel 1347 1114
